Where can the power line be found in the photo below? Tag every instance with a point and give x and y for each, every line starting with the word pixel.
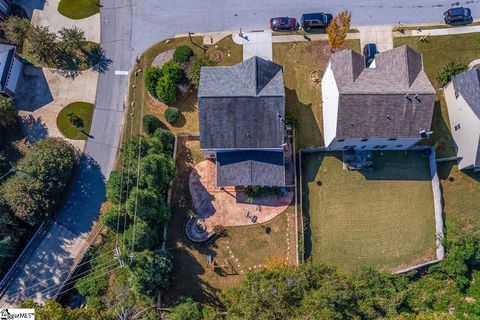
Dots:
pixel 128 180
pixel 120 207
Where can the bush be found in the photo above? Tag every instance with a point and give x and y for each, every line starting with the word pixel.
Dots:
pixel 166 90
pixel 150 124
pixel 172 114
pixel 193 72
pixel 449 70
pixel 151 79
pixel 182 54
pixel 167 139
pixel 173 71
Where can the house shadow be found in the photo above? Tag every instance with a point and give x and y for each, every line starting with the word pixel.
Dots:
pixel 34 128
pixel 302 116
pixel 33 91
pixel 202 199
pixel 84 198
pixel 30 5
pixel 441 138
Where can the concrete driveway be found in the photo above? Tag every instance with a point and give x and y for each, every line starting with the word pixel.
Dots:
pixel 45 13
pixel 380 35
pixel 43 93
pixel 255 44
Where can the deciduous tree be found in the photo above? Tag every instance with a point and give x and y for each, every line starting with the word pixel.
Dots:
pixel 8 113
pixel 338 28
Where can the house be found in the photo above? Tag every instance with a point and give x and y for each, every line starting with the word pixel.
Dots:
pixel 241 119
pixel 4 8
pixel 10 70
pixel 387 106
pixel 462 95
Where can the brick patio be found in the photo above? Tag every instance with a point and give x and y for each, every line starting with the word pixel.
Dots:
pixel 228 207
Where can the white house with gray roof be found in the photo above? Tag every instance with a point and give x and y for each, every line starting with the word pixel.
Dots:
pixel 462 95
pixel 10 70
pixel 241 112
pixel 388 106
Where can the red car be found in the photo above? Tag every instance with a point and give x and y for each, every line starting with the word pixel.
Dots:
pixel 283 23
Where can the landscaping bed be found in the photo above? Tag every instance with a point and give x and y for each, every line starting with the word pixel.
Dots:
pixel 303 96
pixel 84 111
pixel 382 218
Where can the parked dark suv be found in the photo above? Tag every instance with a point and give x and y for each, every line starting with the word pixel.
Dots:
pixel 283 23
pixel 315 20
pixel 458 16
pixel 369 52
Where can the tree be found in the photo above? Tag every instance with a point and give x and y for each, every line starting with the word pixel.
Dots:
pixel 15 29
pixel 147 237
pixel 118 185
pixel 151 272
pixel 186 308
pixel 8 113
pixel 34 192
pixel 182 54
pixel 148 206
pixel 113 217
pixel 167 139
pixel 338 28
pixel 173 71
pixel 451 69
pixel 52 310
pixel 72 39
pixel 166 90
pixel 157 172
pixel 75 120
pixel 193 71
pixel 42 44
pixel 150 123
pixel 151 79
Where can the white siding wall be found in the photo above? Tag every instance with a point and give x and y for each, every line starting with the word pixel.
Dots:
pixel 466 138
pixel 14 75
pixel 330 97
pixel 398 144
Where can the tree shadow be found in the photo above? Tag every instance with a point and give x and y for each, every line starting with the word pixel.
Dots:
pixel 97 59
pixel 33 91
pixel 34 128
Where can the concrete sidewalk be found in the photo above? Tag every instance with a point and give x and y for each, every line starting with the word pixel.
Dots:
pixel 446 31
pixel 255 44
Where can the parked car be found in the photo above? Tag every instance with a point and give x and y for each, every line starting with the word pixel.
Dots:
pixel 369 52
pixel 283 23
pixel 458 16
pixel 315 20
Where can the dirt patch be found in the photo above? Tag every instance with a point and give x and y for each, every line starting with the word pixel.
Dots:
pixel 162 58
pixel 216 56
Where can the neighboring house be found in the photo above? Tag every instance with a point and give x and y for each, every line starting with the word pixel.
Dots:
pixel 4 8
pixel 387 106
pixel 241 117
pixel 10 70
pixel 462 95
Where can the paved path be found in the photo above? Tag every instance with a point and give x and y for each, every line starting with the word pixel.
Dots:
pixel 255 44
pixel 380 35
pixel 446 31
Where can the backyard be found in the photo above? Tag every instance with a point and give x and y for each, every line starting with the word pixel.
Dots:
pixel 382 218
pixel 245 248
pixel 436 53
pixel 303 95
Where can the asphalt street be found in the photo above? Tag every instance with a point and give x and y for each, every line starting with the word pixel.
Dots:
pixel 128 28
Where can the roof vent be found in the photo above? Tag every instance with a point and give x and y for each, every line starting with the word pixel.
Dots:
pixel 408 97
pixel 417 97
pixel 388 117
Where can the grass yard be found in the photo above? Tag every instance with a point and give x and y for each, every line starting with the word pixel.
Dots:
pixel 436 53
pixel 382 219
pixel 303 97
pixel 78 9
pixel 82 109
pixel 232 54
pixel 251 245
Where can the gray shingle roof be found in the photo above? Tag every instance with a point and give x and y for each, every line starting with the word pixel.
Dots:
pixel 250 168
pixel 372 101
pixel 238 105
pixel 467 84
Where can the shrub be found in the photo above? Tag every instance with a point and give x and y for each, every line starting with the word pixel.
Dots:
pixel 193 72
pixel 172 70
pixel 449 70
pixel 182 54
pixel 151 78
pixel 167 139
pixel 150 123
pixel 166 90
pixel 172 114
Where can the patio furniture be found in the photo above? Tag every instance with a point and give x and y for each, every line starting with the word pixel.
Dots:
pixel 357 160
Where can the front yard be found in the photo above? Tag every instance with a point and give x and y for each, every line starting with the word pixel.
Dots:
pixel 245 248
pixel 303 99
pixel 382 218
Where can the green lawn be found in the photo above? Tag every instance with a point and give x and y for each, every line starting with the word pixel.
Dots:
pixel 78 9
pixel 382 219
pixel 82 109
pixel 251 245
pixel 304 97
pixel 436 53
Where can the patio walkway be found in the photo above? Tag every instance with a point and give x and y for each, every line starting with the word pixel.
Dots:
pixel 229 207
